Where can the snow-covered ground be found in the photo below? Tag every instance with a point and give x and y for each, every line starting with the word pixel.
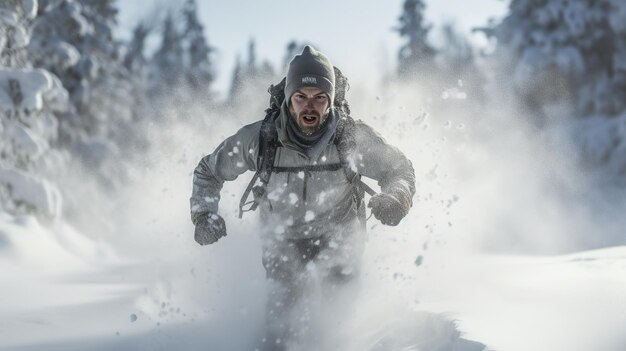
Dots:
pixel 56 298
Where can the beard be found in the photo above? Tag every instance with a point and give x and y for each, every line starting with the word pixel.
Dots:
pixel 308 121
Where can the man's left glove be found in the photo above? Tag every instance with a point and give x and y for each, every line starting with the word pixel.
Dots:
pixel 387 209
pixel 209 228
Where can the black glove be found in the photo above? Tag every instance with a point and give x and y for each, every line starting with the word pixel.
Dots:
pixel 209 228
pixel 387 209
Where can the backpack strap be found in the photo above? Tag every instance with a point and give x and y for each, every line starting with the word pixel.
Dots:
pixel 345 142
pixel 268 143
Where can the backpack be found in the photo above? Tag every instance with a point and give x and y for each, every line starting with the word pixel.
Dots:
pixel 268 144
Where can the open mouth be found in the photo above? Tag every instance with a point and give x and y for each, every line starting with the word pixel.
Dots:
pixel 309 119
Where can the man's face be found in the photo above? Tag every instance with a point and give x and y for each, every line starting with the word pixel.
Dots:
pixel 309 108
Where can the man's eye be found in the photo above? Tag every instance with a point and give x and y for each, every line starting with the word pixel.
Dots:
pixel 321 98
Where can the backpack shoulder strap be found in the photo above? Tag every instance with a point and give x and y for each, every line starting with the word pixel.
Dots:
pixel 345 141
pixel 268 143
pixel 346 145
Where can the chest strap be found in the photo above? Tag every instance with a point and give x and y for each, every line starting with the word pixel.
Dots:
pixel 309 168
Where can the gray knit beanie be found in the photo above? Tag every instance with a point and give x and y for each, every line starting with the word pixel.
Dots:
pixel 310 69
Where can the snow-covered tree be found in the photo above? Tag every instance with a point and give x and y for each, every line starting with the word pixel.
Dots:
pixel 168 65
pixel 73 39
pixel 457 64
pixel 135 56
pixel 568 51
pixel 29 98
pixel 566 59
pixel 236 81
pixel 291 50
pixel 250 79
pixel 416 55
pixel 199 71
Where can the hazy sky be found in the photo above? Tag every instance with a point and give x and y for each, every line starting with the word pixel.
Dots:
pixel 356 34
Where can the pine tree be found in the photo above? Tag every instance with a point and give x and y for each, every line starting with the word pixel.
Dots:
pixel 563 50
pixel 168 63
pixel 570 55
pixel 416 55
pixel 292 49
pixel 251 79
pixel 74 40
pixel 135 58
pixel 251 69
pixel 199 67
pixel 457 64
pixel 29 98
pixel 236 82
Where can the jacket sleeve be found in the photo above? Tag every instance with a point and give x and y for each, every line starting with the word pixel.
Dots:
pixel 234 156
pixel 376 159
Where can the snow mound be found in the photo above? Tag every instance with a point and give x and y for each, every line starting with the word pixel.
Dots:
pixel 32 193
pixel 26 245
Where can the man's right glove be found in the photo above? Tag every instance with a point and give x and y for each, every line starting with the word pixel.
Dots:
pixel 387 209
pixel 209 228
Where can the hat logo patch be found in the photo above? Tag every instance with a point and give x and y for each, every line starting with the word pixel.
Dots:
pixel 309 80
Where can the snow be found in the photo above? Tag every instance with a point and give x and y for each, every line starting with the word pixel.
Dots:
pixel 26 144
pixel 293 198
pixel 309 216
pixel 35 193
pixel 33 85
pixel 499 247
pixel 62 54
pixel 505 301
pixel 279 230
pixel 513 303
pixel 30 8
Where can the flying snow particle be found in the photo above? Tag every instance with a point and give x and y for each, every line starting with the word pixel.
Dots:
pixel 309 216
pixel 321 197
pixel 293 198
pixel 301 175
pixel 133 318
pixel 235 150
pixel 419 260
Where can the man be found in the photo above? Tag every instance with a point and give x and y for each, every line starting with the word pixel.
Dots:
pixel 311 199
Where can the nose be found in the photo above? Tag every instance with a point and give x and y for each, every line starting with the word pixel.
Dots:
pixel 309 102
